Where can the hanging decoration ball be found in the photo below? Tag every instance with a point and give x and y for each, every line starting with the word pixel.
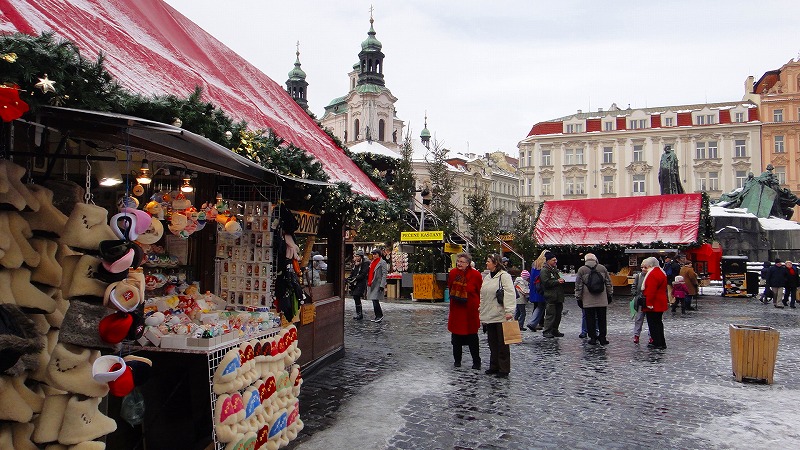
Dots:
pixel 228 135
pixel 138 190
pixel 46 85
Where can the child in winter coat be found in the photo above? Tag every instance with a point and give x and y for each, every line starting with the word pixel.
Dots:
pixel 522 286
pixel 680 292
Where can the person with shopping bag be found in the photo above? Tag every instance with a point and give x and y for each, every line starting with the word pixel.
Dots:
pixel 463 322
pixel 498 303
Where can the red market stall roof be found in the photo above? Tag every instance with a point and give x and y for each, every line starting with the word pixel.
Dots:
pixel 151 48
pixel 673 219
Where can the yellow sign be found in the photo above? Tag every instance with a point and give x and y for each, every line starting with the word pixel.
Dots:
pixel 453 248
pixel 416 236
pixel 426 287
pixel 307 223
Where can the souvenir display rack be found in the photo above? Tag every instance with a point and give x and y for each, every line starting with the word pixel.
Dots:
pixel 245 269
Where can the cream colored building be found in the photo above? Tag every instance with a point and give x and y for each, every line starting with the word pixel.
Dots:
pixel 616 153
pixel 778 94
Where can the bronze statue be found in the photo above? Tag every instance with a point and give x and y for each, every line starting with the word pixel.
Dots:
pixel 668 175
pixel 762 196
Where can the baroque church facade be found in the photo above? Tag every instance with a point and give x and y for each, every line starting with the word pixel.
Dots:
pixel 367 111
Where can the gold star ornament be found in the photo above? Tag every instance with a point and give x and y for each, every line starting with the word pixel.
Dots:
pixel 46 85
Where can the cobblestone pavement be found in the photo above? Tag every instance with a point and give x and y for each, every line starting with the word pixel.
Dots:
pixel 397 388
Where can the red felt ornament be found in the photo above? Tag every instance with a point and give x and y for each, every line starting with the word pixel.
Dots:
pixel 11 107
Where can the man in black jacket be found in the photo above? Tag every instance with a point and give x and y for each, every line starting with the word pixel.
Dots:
pixel 672 269
pixel 776 280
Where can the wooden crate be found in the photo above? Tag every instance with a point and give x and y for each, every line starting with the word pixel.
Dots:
pixel 754 350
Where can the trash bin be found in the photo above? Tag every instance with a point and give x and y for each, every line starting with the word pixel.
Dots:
pixel 754 350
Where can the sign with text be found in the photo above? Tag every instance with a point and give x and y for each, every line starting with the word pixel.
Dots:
pixel 453 248
pixel 307 223
pixel 421 236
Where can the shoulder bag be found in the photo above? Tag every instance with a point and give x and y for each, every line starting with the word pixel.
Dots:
pixel 500 293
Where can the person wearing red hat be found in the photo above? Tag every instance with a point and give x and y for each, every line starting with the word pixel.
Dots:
pixel 464 283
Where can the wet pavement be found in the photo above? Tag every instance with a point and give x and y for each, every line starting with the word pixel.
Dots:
pixel 396 386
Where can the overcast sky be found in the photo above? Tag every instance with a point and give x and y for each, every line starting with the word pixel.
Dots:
pixel 485 72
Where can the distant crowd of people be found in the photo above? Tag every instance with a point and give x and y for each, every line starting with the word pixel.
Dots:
pixel 486 300
pixel 781 281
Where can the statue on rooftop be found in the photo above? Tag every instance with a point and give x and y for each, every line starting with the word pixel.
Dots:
pixel 668 175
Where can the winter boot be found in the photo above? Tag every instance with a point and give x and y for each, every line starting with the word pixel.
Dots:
pixel 359 314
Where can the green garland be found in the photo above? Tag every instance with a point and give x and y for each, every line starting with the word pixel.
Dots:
pixel 85 84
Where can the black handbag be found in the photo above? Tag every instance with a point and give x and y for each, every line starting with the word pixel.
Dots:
pixel 641 301
pixel 500 293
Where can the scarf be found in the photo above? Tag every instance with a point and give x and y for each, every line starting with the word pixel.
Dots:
pixel 459 285
pixel 372 267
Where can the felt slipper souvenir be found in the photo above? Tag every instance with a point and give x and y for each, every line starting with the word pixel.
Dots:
pixel 16 193
pixel 248 442
pixel 48 423
pixel 227 372
pixel 228 412
pixel 124 226
pixel 296 381
pixel 86 227
pixel 293 423
pixel 153 233
pixel 252 408
pixel 12 406
pixel 81 277
pixel 48 271
pixel 70 369
pixel 123 296
pixel 84 422
pixel 48 221
pixel 20 249
pixel 28 296
pixel 248 373
pixel 82 323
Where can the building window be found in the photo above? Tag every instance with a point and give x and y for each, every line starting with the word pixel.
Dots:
pixel 708 119
pixel 778 144
pixel 738 117
pixel 579 156
pixel 381 130
pixel 568 157
pixel 713 181
pixel 638 185
pixel 669 121
pixel 547 186
pixel 741 178
pixel 712 150
pixel 546 159
pixel 608 155
pixel 530 186
pixel 702 183
pixel 739 148
pixel 637 124
pixel 574 128
pixel 356 131
pixel 700 150
pixel 700 120
pixel 608 184
pixel 638 153
pixel 777 115
pixel 574 186
pixel 530 158
pixel 608 126
pixel 780 173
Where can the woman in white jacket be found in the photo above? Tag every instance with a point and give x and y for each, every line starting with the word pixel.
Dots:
pixel 493 313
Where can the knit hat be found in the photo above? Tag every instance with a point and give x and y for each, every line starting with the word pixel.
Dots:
pixel 81 325
pixel 123 296
pixel 28 296
pixel 778 260
pixel 48 423
pixel 80 277
pixel 12 190
pixel 12 405
pixel 18 337
pixel 19 249
pixel 525 274
pixel 549 255
pixel 679 279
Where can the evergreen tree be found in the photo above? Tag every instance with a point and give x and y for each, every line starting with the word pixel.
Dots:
pixel 442 188
pixel 481 222
pixel 524 243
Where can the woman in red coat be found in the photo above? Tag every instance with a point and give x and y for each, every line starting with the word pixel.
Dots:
pixel 654 288
pixel 463 322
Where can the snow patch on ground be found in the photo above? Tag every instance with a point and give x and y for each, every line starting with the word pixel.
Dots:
pixel 754 423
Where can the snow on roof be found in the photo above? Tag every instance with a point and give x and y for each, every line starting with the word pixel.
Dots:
pixel 774 223
pixel 375 148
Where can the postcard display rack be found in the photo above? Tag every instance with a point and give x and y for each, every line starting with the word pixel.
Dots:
pixel 245 269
